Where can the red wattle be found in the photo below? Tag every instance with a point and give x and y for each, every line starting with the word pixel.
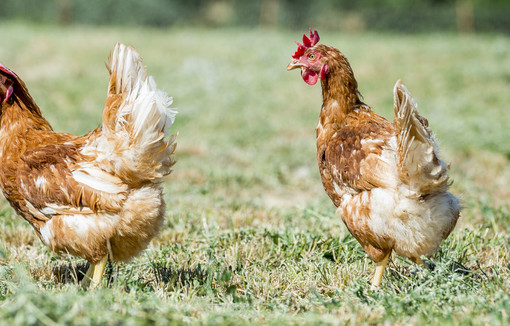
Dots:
pixel 310 77
pixel 324 71
pixel 9 92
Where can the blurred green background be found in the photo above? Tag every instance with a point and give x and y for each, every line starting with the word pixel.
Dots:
pixel 354 16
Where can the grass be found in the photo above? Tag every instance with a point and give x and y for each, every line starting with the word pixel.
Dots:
pixel 250 237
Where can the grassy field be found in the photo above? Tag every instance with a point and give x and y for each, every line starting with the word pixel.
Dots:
pixel 250 236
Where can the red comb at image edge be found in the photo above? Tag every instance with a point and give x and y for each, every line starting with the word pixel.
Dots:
pixel 307 42
pixel 7 70
pixel 10 90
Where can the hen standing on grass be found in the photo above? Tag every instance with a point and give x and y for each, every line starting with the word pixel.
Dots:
pixel 386 179
pixel 98 195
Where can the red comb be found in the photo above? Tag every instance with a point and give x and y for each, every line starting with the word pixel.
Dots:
pixel 307 42
pixel 7 70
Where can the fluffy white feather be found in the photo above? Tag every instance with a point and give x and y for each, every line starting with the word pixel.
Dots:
pixel 134 141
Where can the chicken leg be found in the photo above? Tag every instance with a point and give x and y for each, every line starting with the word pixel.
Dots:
pixel 95 274
pixel 418 261
pixel 379 271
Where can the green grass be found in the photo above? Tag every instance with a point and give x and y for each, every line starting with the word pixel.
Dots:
pixel 250 236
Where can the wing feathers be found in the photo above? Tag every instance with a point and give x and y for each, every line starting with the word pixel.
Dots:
pixel 98 180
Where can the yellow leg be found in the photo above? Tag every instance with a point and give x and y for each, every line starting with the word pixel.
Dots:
pixel 94 274
pixel 379 271
pixel 99 271
pixel 418 262
pixel 85 282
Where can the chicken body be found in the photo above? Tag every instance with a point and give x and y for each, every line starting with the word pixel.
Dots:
pixel 97 195
pixel 386 179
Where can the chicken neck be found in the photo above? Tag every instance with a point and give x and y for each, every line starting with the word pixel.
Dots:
pixel 340 97
pixel 20 111
pixel 21 124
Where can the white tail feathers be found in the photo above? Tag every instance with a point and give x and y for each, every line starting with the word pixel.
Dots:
pixel 418 151
pixel 136 120
pixel 144 101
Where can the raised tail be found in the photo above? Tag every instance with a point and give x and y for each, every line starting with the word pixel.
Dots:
pixel 418 152
pixel 136 121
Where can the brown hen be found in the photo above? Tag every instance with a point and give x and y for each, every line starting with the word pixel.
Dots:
pixel 386 178
pixel 94 196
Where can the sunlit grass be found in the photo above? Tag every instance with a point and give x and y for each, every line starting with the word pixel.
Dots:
pixel 250 236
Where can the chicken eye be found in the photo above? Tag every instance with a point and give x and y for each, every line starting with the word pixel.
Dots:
pixel 312 56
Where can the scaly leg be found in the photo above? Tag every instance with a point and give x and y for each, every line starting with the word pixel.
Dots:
pixel 94 274
pixel 379 271
pixel 85 282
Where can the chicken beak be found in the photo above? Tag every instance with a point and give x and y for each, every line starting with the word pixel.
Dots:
pixel 293 65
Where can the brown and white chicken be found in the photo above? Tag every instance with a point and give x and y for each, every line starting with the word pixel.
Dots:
pixel 386 178
pixel 98 195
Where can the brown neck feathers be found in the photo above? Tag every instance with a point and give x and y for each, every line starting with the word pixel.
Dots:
pixel 339 86
pixel 22 107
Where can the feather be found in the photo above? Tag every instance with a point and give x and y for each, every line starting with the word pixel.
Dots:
pixel 141 114
pixel 418 158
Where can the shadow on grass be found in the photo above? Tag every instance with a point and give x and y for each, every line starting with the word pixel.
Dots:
pixel 70 273
pixel 438 272
pixel 73 273
pixel 169 275
pixel 161 273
